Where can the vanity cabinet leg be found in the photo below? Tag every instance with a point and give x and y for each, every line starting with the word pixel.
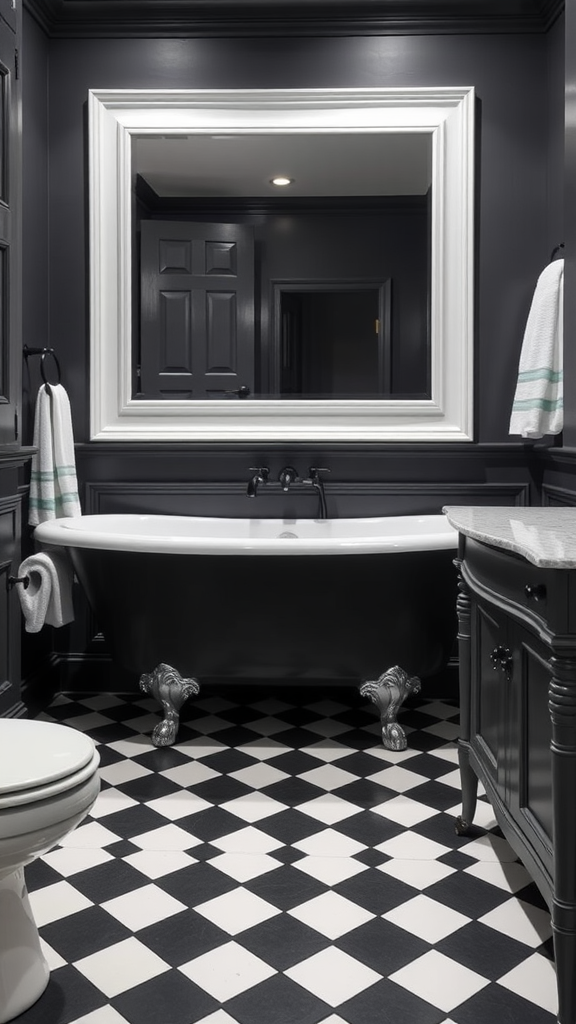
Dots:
pixel 469 784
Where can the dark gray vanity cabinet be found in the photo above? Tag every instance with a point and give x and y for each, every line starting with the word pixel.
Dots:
pixel 517 646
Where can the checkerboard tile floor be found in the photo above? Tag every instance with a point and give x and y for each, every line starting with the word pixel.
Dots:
pixel 278 866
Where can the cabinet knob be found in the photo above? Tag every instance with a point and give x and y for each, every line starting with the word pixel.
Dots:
pixel 535 592
pixel 501 658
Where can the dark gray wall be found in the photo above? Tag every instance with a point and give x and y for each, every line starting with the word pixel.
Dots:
pixel 517 78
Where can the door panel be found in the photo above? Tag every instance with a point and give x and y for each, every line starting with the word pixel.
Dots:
pixel 197 334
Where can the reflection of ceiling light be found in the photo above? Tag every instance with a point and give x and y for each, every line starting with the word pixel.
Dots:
pixel 281 181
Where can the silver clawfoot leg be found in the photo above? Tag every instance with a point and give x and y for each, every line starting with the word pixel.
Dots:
pixel 171 690
pixel 388 693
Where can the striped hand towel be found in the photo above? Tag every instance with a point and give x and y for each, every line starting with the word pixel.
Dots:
pixel 538 403
pixel 53 483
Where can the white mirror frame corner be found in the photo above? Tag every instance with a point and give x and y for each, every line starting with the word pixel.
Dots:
pixel 447 114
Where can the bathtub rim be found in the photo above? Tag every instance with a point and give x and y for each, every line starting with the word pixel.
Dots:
pixel 435 534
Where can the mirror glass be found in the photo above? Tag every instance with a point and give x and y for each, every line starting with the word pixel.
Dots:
pixel 320 288
pixel 337 306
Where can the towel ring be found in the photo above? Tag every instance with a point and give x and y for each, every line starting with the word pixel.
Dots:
pixel 43 352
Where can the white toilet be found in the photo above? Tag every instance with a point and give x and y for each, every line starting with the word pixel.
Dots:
pixel 48 783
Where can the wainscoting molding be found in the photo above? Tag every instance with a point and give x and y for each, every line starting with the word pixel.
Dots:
pixel 345 500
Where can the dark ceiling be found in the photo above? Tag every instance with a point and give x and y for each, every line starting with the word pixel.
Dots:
pixel 80 18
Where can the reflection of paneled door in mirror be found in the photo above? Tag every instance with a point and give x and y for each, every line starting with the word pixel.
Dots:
pixel 10 347
pixel 197 331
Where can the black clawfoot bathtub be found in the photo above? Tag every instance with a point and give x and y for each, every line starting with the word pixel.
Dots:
pixel 183 600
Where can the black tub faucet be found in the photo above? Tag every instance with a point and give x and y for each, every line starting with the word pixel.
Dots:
pixel 261 475
pixel 317 483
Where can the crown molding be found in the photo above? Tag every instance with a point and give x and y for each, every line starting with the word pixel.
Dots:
pixel 165 18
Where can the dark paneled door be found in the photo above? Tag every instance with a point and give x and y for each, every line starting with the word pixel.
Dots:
pixel 10 350
pixel 197 331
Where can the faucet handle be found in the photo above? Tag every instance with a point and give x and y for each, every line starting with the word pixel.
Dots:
pixel 263 471
pixel 288 476
pixel 314 470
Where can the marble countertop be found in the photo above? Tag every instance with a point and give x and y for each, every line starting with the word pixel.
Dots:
pixel 544 536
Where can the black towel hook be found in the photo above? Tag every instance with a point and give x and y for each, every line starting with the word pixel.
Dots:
pixel 556 250
pixel 43 352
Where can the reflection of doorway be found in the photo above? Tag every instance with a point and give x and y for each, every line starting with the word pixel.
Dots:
pixel 332 339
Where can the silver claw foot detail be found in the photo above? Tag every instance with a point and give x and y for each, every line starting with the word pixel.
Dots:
pixel 171 690
pixel 388 693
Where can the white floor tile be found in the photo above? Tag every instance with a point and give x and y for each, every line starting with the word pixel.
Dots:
pixel 263 749
pixel 329 809
pixel 120 967
pixel 438 709
pixel 329 843
pixel 327 750
pixel 331 915
pixel 169 837
pixel 143 907
pixel 534 979
pixel 489 848
pixel 220 1017
pixel 412 846
pixel 92 721
pixel 405 811
pixel 439 980
pixel 328 777
pixel 105 1015
pixel 417 873
pixel 122 771
pixel 330 870
pixel 247 840
pixel 266 726
pixel 236 911
pixel 178 805
pixel 90 836
pixel 520 921
pixel 56 901
pixel 253 806
pixel 134 746
pixel 70 861
pixel 189 774
pixel 510 876
pixel 244 866
pixel 53 959
pixel 259 775
pixel 109 801
pixel 209 724
pixel 447 730
pixel 397 778
pixel 198 748
pixel 158 863
pixel 227 971
pixel 333 976
pixel 327 727
pixel 427 919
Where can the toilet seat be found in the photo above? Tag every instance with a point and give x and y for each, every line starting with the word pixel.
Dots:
pixel 39 760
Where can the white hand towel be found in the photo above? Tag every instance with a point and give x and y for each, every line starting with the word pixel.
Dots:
pixel 538 403
pixel 53 483
pixel 47 600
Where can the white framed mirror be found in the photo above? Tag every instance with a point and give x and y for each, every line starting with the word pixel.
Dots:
pixel 118 117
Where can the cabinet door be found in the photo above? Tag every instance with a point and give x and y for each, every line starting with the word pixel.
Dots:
pixel 530 761
pixel 489 711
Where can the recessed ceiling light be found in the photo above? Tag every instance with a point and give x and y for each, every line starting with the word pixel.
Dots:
pixel 280 180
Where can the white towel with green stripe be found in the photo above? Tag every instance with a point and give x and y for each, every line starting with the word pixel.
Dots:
pixel 53 483
pixel 538 407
